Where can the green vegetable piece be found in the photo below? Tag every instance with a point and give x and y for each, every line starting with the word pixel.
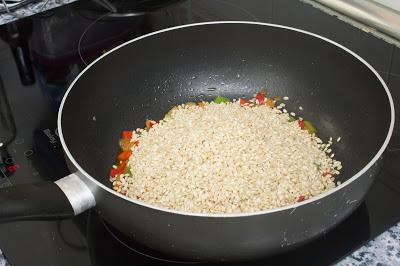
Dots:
pixel 291 119
pixel 220 99
pixel 127 170
pixel 310 127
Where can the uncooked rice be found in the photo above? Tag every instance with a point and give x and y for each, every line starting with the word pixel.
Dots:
pixel 225 158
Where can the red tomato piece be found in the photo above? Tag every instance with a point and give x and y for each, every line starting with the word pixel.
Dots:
pixel 260 97
pixel 328 173
pixel 113 172
pixel 150 123
pixel 301 124
pixel 301 198
pixel 121 167
pixel 117 171
pixel 126 134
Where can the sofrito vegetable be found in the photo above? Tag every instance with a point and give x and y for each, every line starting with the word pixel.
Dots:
pixel 260 98
pixel 220 99
pixel 201 104
pixel 304 124
pixel 126 134
pixel 150 123
pixel 301 124
pixel 270 103
pixel 301 198
pixel 244 102
pixel 124 155
pixel 328 173
pixel 126 143
pixel 190 104
pixel 310 127
pixel 118 170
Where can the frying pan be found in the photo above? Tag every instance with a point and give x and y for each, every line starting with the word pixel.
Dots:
pixel 143 78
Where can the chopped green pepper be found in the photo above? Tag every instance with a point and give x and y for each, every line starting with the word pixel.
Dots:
pixel 291 119
pixel 127 170
pixel 318 166
pixel 310 127
pixel 220 99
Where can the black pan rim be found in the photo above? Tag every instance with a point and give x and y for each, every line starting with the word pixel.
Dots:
pixel 244 214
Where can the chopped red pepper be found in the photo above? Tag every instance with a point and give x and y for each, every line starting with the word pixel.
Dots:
pixel 244 102
pixel 328 173
pixel 126 134
pixel 118 171
pixel 260 97
pixel 150 123
pixel 113 172
pixel 124 155
pixel 301 198
pixel 301 124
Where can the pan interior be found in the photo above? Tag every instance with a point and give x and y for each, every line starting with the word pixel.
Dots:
pixel 144 79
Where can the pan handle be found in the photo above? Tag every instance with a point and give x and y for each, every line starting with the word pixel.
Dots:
pixel 62 199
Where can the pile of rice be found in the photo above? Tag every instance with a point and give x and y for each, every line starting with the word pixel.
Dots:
pixel 224 158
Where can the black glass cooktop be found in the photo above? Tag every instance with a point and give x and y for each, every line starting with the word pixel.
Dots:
pixel 41 55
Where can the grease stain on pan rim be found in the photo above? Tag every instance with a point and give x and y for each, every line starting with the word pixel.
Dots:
pixel 285 208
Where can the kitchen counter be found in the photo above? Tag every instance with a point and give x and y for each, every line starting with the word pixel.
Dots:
pixel 3 261
pixel 32 9
pixel 383 250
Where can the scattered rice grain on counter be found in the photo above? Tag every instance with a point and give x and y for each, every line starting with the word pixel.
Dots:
pixel 227 158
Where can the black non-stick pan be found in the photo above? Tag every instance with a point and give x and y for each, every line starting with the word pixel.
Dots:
pixel 143 78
